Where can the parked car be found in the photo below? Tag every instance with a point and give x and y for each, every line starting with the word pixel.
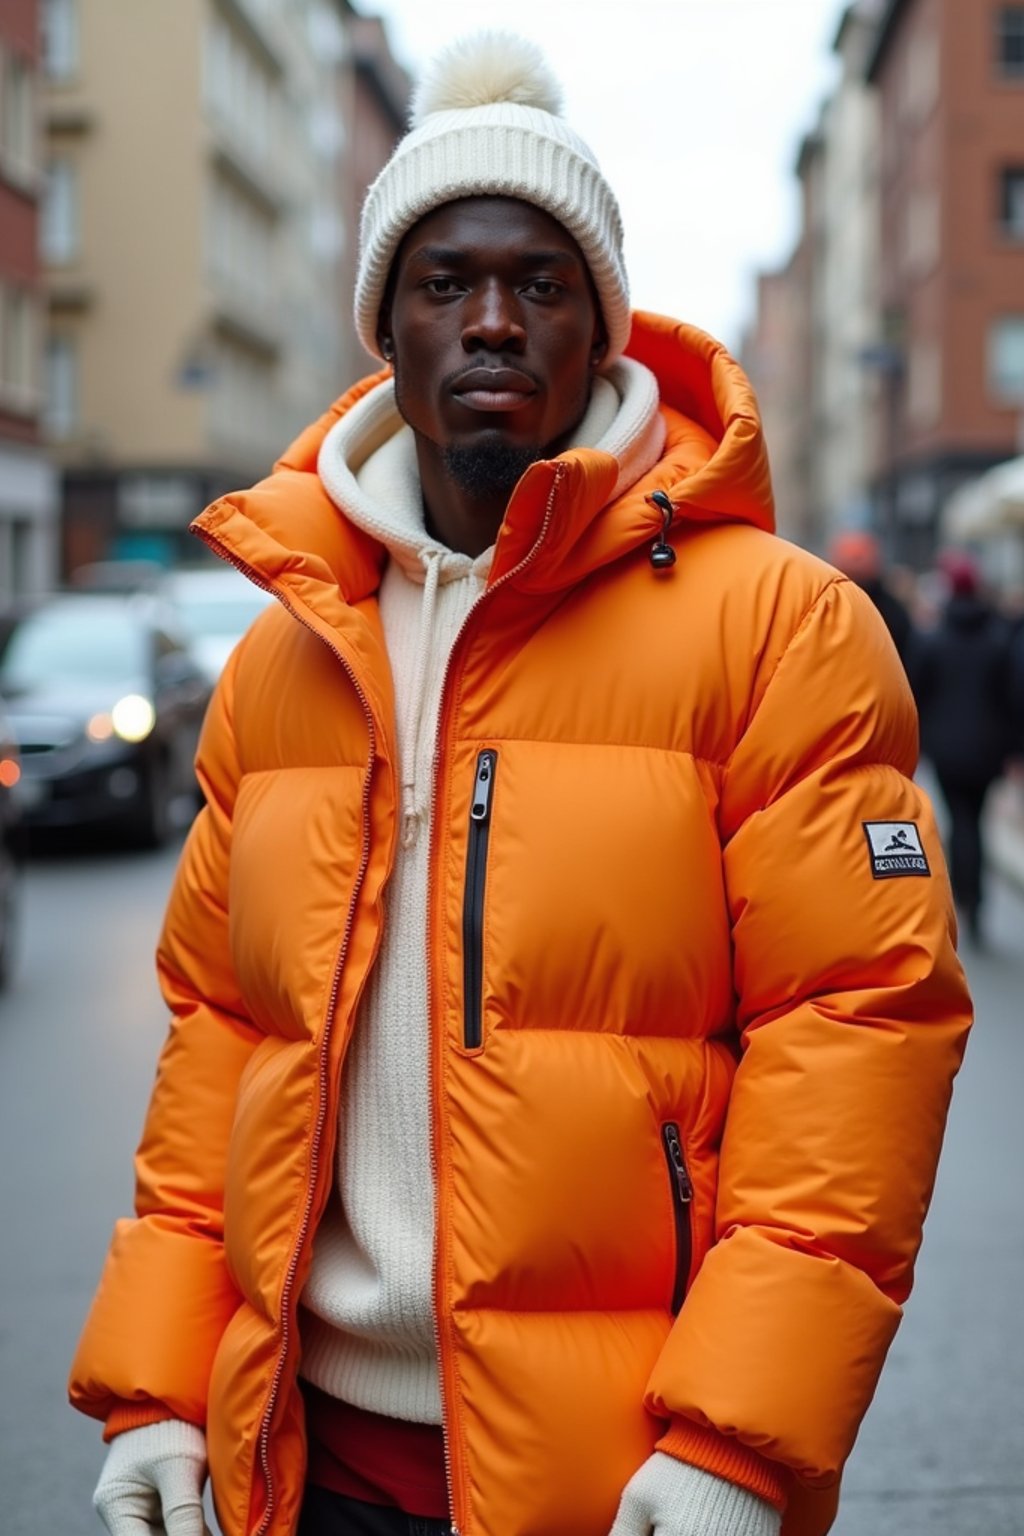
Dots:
pixel 10 773
pixel 118 576
pixel 215 607
pixel 106 703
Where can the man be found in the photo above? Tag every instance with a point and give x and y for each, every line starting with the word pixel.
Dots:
pixel 857 554
pixel 961 677
pixel 559 1060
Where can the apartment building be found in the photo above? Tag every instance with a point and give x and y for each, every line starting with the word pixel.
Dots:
pixel 950 81
pixel 196 232
pixel 817 326
pixel 28 485
pixel 774 352
pixel 846 379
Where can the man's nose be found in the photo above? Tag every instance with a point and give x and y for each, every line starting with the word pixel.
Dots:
pixel 493 320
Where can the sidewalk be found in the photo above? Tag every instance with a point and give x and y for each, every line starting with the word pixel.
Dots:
pixel 1004 831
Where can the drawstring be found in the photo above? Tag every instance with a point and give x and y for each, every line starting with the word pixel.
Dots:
pixel 411 810
pixel 662 556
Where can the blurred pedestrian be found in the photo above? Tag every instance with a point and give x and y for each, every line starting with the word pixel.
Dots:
pixel 529 1152
pixel 858 555
pixel 961 679
pixel 1016 696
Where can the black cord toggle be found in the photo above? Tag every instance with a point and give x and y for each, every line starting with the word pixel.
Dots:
pixel 662 555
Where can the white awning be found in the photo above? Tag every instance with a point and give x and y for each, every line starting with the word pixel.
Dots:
pixel 988 505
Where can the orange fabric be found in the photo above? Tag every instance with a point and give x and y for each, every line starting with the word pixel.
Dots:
pixel 725 1457
pixel 680 925
pixel 125 1416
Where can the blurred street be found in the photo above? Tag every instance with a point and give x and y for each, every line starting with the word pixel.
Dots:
pixel 942 1451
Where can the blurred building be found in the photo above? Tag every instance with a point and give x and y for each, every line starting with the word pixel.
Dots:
pixel 376 105
pixel 846 289
pixel 950 80
pixel 203 161
pixel 818 396
pixel 28 485
pixel 775 355
pixel 906 288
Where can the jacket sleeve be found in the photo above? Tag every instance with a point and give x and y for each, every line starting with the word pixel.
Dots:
pixel 165 1295
pixel 852 1012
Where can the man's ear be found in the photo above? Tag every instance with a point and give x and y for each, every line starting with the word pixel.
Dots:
pixel 384 338
pixel 599 346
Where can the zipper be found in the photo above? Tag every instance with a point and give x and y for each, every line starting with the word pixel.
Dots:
pixel 437 1048
pixel 332 1002
pixel 682 1205
pixel 473 900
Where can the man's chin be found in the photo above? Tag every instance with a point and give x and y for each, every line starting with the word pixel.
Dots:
pixel 491 464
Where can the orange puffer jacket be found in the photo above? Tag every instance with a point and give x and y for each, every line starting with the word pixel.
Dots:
pixel 691 1055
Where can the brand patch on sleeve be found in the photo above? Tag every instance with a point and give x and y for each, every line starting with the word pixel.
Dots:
pixel 896 849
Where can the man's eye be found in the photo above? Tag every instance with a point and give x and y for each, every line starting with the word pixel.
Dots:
pixel 442 286
pixel 543 287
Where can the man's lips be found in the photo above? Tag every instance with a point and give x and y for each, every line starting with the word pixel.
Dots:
pixel 494 389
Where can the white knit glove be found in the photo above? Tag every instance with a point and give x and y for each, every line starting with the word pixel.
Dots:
pixel 152 1481
pixel 670 1498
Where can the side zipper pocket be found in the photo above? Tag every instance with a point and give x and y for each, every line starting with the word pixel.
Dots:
pixel 682 1205
pixel 473 900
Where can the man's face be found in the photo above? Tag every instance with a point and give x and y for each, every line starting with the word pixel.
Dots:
pixel 495 329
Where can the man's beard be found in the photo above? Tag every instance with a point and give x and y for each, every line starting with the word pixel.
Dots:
pixel 489 471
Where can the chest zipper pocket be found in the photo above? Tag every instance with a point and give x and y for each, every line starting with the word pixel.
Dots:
pixel 682 1206
pixel 473 900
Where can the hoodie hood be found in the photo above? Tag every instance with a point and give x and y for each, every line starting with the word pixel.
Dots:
pixel 713 467
pixel 367 464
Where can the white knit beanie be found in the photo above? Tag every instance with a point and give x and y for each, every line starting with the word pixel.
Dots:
pixel 486 121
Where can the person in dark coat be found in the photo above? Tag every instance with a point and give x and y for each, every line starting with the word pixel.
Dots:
pixel 1016 673
pixel 858 555
pixel 960 675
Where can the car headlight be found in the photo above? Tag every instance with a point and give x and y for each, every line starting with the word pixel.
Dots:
pixel 100 727
pixel 132 717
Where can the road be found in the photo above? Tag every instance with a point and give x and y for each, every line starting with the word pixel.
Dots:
pixel 942 1449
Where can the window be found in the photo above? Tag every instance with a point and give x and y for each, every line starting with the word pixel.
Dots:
pixel 240 241
pixel 59 223
pixel 17 115
pixel 919 86
pixel 1006 360
pixel 921 231
pixel 17 346
pixel 1010 41
pixel 242 403
pixel 924 384
pixel 61 386
pixel 238 91
pixel 325 35
pixel 1011 202
pixel 60 38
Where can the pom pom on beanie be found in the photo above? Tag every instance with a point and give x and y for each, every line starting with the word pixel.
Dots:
pixel 484 68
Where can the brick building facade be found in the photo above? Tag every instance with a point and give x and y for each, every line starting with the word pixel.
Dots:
pixel 28 487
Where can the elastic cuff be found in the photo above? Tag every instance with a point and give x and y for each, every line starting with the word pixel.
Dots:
pixel 133 1416
pixel 726 1457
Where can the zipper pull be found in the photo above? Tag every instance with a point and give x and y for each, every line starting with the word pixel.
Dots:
pixel 674 1147
pixel 483 786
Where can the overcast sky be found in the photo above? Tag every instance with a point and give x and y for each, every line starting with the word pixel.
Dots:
pixel 695 109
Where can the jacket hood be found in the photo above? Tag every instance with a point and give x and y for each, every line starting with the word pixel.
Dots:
pixel 714 468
